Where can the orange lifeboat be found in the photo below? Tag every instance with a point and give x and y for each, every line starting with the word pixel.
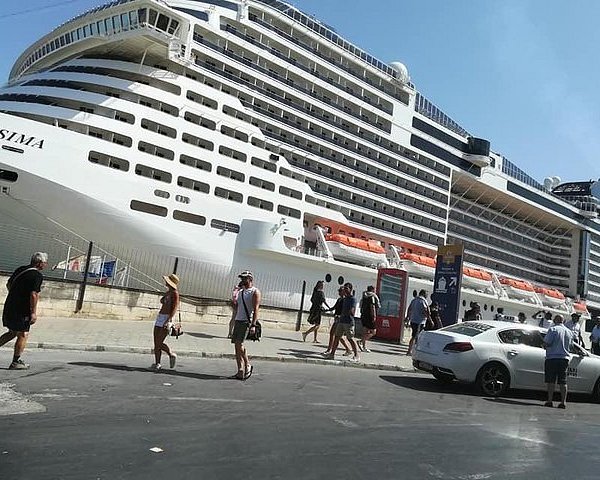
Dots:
pixel 550 296
pixel 356 250
pixel 518 288
pixel 418 265
pixel 581 308
pixel 476 279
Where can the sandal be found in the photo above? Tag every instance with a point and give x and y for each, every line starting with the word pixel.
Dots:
pixel 249 372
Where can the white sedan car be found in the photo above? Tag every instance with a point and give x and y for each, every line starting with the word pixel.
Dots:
pixel 499 355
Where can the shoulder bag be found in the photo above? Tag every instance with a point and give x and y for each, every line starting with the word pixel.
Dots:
pixel 257 326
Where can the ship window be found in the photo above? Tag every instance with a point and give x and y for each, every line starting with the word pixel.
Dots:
pixel 155 150
pixel 288 211
pixel 230 152
pixel 148 208
pixel 153 173
pixel 163 22
pixel 264 164
pixel 340 280
pixel 182 199
pixel 290 192
pixel 108 161
pixel 189 217
pixel 195 162
pixel 162 194
pixel 225 226
pixel 228 173
pixel 262 204
pixel 328 278
pixel 197 141
pixel 203 122
pixel 229 194
pixel 8 176
pixel 193 184
pixel 152 17
pixel 158 128
pixel 264 184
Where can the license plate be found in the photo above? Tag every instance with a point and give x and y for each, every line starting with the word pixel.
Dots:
pixel 426 366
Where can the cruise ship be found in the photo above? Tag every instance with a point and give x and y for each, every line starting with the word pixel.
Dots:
pixel 248 134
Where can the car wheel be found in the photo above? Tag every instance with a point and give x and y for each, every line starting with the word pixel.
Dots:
pixel 493 379
pixel 442 377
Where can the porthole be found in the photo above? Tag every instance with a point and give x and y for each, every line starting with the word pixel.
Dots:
pixel 161 193
pixel 328 278
pixel 485 306
pixel 464 303
pixel 491 308
pixel 340 280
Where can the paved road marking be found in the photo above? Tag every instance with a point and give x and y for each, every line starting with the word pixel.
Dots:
pixel 13 403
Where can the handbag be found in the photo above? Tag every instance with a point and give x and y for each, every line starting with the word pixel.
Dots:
pixel 255 337
pixel 176 328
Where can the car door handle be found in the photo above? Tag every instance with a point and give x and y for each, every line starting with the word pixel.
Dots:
pixel 513 353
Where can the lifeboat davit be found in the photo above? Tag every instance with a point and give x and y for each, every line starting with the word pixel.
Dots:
pixel 519 289
pixel 476 279
pixel 356 250
pixel 550 296
pixel 418 265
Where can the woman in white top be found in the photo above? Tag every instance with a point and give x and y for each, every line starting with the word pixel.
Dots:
pixel 164 321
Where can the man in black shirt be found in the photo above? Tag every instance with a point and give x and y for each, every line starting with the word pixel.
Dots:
pixel 20 306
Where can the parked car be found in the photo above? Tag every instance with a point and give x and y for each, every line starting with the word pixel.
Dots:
pixel 499 355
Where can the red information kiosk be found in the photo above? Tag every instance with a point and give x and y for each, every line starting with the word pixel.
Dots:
pixel 392 284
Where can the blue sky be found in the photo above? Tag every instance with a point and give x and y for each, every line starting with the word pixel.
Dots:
pixel 521 73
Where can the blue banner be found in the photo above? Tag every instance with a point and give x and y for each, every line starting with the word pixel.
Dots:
pixel 447 281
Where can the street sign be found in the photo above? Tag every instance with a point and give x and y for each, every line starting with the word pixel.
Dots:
pixel 447 281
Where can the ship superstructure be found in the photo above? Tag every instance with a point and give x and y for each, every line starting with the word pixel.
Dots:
pixel 249 133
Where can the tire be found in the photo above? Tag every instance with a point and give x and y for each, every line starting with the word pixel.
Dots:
pixel 442 377
pixel 493 379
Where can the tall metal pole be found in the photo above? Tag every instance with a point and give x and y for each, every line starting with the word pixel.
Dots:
pixel 84 282
pixel 299 319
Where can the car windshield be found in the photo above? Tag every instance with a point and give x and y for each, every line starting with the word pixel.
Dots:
pixel 470 329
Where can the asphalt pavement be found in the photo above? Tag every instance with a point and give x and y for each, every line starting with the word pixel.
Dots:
pixel 103 415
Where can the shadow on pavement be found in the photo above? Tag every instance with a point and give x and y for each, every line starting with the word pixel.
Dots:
pixel 288 339
pixel 430 384
pixel 201 335
pixel 175 373
pixel 292 352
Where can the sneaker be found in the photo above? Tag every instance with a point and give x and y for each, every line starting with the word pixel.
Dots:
pixel 326 352
pixel 155 367
pixel 347 353
pixel 18 365
pixel 366 350
pixel 548 404
pixel 329 356
pixel 355 359
pixel 562 405
pixel 172 360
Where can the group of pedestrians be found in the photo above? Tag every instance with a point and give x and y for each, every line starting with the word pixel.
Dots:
pixel 342 330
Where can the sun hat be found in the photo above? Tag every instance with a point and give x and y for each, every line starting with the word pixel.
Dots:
pixel 246 273
pixel 172 280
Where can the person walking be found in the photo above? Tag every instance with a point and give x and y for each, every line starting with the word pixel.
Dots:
pixel 595 337
pixel 234 299
pixel 337 312
pixel 20 306
pixel 248 305
pixel 557 343
pixel 436 317
pixel 164 321
pixel 575 327
pixel 417 314
pixel 345 326
pixel 522 318
pixel 369 305
pixel 317 301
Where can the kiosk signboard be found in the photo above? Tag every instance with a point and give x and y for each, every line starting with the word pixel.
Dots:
pixel 447 281
pixel 391 290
